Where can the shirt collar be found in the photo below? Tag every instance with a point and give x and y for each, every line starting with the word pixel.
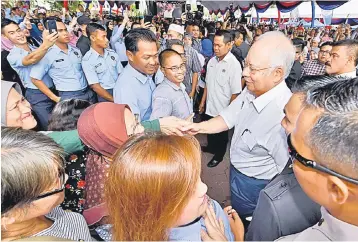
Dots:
pixel 226 58
pixel 97 54
pixel 139 76
pixel 262 101
pixel 58 50
pixel 352 74
pixel 338 229
pixel 171 84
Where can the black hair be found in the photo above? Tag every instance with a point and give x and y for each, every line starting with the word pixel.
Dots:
pixel 328 43
pixel 135 35
pixel 352 46
pixel 66 113
pixel 238 33
pixel 228 37
pixel 14 8
pixel 211 29
pixel 5 22
pixel 165 54
pixel 93 27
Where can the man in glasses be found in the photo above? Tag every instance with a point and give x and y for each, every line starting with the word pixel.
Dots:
pixel 343 59
pixel 170 97
pixel 258 148
pixel 283 201
pixel 318 66
pixel 323 148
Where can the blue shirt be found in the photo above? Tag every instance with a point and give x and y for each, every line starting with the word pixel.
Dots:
pixel 15 58
pixel 64 69
pixel 117 43
pixel 102 69
pixel 135 89
pixel 192 232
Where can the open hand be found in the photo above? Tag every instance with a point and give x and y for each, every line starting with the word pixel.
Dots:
pixel 215 228
pixel 236 225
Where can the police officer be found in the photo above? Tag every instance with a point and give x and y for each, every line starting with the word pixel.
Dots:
pixel 63 64
pixel 101 65
pixel 21 58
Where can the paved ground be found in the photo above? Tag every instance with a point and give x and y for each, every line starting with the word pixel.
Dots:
pixel 217 178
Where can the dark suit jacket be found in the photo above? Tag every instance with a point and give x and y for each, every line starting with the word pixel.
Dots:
pixel 295 74
pixel 282 209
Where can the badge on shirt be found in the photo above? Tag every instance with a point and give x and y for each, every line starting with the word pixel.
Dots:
pixel 112 57
pixel 75 52
pixel 59 60
pixel 97 65
pixel 223 70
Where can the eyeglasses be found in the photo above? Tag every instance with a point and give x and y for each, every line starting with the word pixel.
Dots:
pixel 312 164
pixel 325 52
pixel 62 177
pixel 254 70
pixel 176 68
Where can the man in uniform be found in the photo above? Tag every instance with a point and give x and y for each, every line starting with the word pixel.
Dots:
pixel 101 65
pixel 135 85
pixel 325 160
pixel 63 64
pixel 21 58
pixel 283 201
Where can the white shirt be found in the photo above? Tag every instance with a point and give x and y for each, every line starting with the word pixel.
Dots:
pixel 259 145
pixel 352 74
pixel 223 79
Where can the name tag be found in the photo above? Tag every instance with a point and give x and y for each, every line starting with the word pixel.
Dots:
pixel 59 60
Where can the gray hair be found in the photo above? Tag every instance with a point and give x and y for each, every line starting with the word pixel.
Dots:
pixel 308 82
pixel 282 49
pixel 172 42
pixel 334 137
pixel 30 161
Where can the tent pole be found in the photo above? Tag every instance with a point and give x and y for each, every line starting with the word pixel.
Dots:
pixel 313 13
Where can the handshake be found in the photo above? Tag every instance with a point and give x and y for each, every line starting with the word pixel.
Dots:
pixel 177 126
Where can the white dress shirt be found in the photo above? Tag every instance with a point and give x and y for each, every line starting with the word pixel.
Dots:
pixel 259 145
pixel 223 79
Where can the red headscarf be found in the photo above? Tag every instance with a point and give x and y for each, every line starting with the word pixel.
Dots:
pixel 102 127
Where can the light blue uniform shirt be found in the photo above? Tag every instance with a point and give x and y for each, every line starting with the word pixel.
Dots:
pixel 102 69
pixel 15 58
pixel 135 89
pixel 117 43
pixel 64 69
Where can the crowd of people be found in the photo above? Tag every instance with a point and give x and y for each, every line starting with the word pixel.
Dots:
pixel 99 116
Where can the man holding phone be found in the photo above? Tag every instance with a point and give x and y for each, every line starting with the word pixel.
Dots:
pixel 63 64
pixel 22 58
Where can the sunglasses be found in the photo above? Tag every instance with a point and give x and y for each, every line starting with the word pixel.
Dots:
pixel 312 164
pixel 62 177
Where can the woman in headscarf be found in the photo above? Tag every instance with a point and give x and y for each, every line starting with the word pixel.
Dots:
pixel 103 128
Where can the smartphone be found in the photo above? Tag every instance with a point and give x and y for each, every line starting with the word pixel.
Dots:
pixel 148 18
pixel 52 26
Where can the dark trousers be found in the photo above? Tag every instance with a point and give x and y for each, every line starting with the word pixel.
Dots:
pixel 217 143
pixel 245 192
pixel 86 94
pixel 41 106
pixel 101 99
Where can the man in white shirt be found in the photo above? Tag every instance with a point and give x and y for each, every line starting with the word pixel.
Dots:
pixel 223 85
pixel 343 59
pixel 258 149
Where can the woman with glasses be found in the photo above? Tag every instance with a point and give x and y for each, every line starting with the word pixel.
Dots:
pixel 32 188
pixel 170 97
